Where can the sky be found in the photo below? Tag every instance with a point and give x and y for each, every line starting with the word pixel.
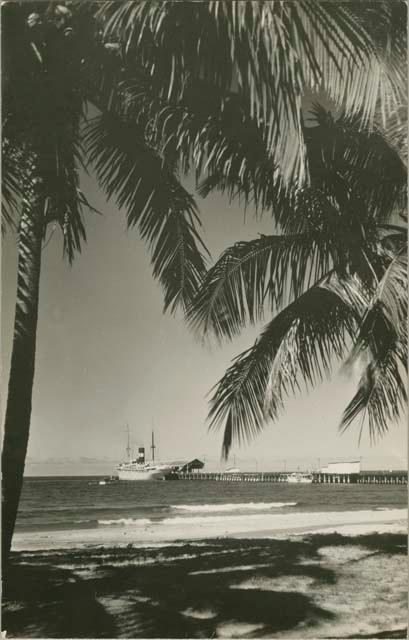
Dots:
pixel 107 356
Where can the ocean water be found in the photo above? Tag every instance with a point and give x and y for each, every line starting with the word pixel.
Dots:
pixel 74 503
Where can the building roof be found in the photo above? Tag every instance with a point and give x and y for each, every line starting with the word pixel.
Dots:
pixel 192 464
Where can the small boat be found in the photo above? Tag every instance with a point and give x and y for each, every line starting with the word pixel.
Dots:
pixel 109 480
pixel 299 478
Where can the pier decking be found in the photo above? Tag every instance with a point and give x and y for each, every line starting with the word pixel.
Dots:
pixel 364 477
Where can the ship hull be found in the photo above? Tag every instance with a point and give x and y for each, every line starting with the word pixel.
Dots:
pixel 137 475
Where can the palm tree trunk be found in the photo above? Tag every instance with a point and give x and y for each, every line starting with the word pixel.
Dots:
pixel 18 412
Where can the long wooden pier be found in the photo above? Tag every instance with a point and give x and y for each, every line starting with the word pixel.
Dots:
pixel 365 477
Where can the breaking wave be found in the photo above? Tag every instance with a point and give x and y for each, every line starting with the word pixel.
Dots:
pixel 142 522
pixel 214 508
pixel 196 513
pixel 184 520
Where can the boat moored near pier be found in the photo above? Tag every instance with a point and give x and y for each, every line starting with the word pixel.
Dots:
pixel 300 478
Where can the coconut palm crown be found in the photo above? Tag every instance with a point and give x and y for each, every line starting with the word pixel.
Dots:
pixel 332 278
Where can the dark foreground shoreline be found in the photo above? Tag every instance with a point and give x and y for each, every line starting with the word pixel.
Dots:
pixel 319 586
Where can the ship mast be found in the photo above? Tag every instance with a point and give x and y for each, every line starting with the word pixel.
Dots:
pixel 128 446
pixel 153 446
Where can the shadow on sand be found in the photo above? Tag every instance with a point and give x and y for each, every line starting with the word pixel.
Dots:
pixel 199 590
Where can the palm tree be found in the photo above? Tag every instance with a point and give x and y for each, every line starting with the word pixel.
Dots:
pixel 59 58
pixel 46 88
pixel 333 278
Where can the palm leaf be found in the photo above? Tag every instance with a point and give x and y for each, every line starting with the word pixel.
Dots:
pixel 382 341
pixel 391 295
pixel 397 131
pixel 384 320
pixel 357 168
pixel 61 159
pixel 297 347
pixel 211 131
pixel 253 276
pixel 255 48
pixel 208 131
pixel 381 397
pixel 163 211
pixel 348 161
pixel 59 156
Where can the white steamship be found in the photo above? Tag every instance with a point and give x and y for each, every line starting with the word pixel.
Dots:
pixel 140 469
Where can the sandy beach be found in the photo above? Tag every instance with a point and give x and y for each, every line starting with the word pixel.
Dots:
pixel 342 575
pixel 310 586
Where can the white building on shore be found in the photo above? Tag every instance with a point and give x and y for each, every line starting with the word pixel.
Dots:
pixel 353 466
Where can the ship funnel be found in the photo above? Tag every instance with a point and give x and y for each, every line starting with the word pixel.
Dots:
pixel 141 455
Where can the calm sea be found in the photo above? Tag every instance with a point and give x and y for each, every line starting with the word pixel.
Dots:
pixel 80 502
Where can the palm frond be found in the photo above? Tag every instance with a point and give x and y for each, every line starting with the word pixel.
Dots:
pixel 269 52
pixel 209 131
pixel 357 180
pixel 384 321
pixel 213 132
pixel 252 277
pixel 386 24
pixel 59 156
pixel 381 397
pixel 155 202
pixel 354 163
pixel 374 76
pixel 66 201
pixel 397 132
pixel 297 347
pixel 382 341
pixel 353 292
